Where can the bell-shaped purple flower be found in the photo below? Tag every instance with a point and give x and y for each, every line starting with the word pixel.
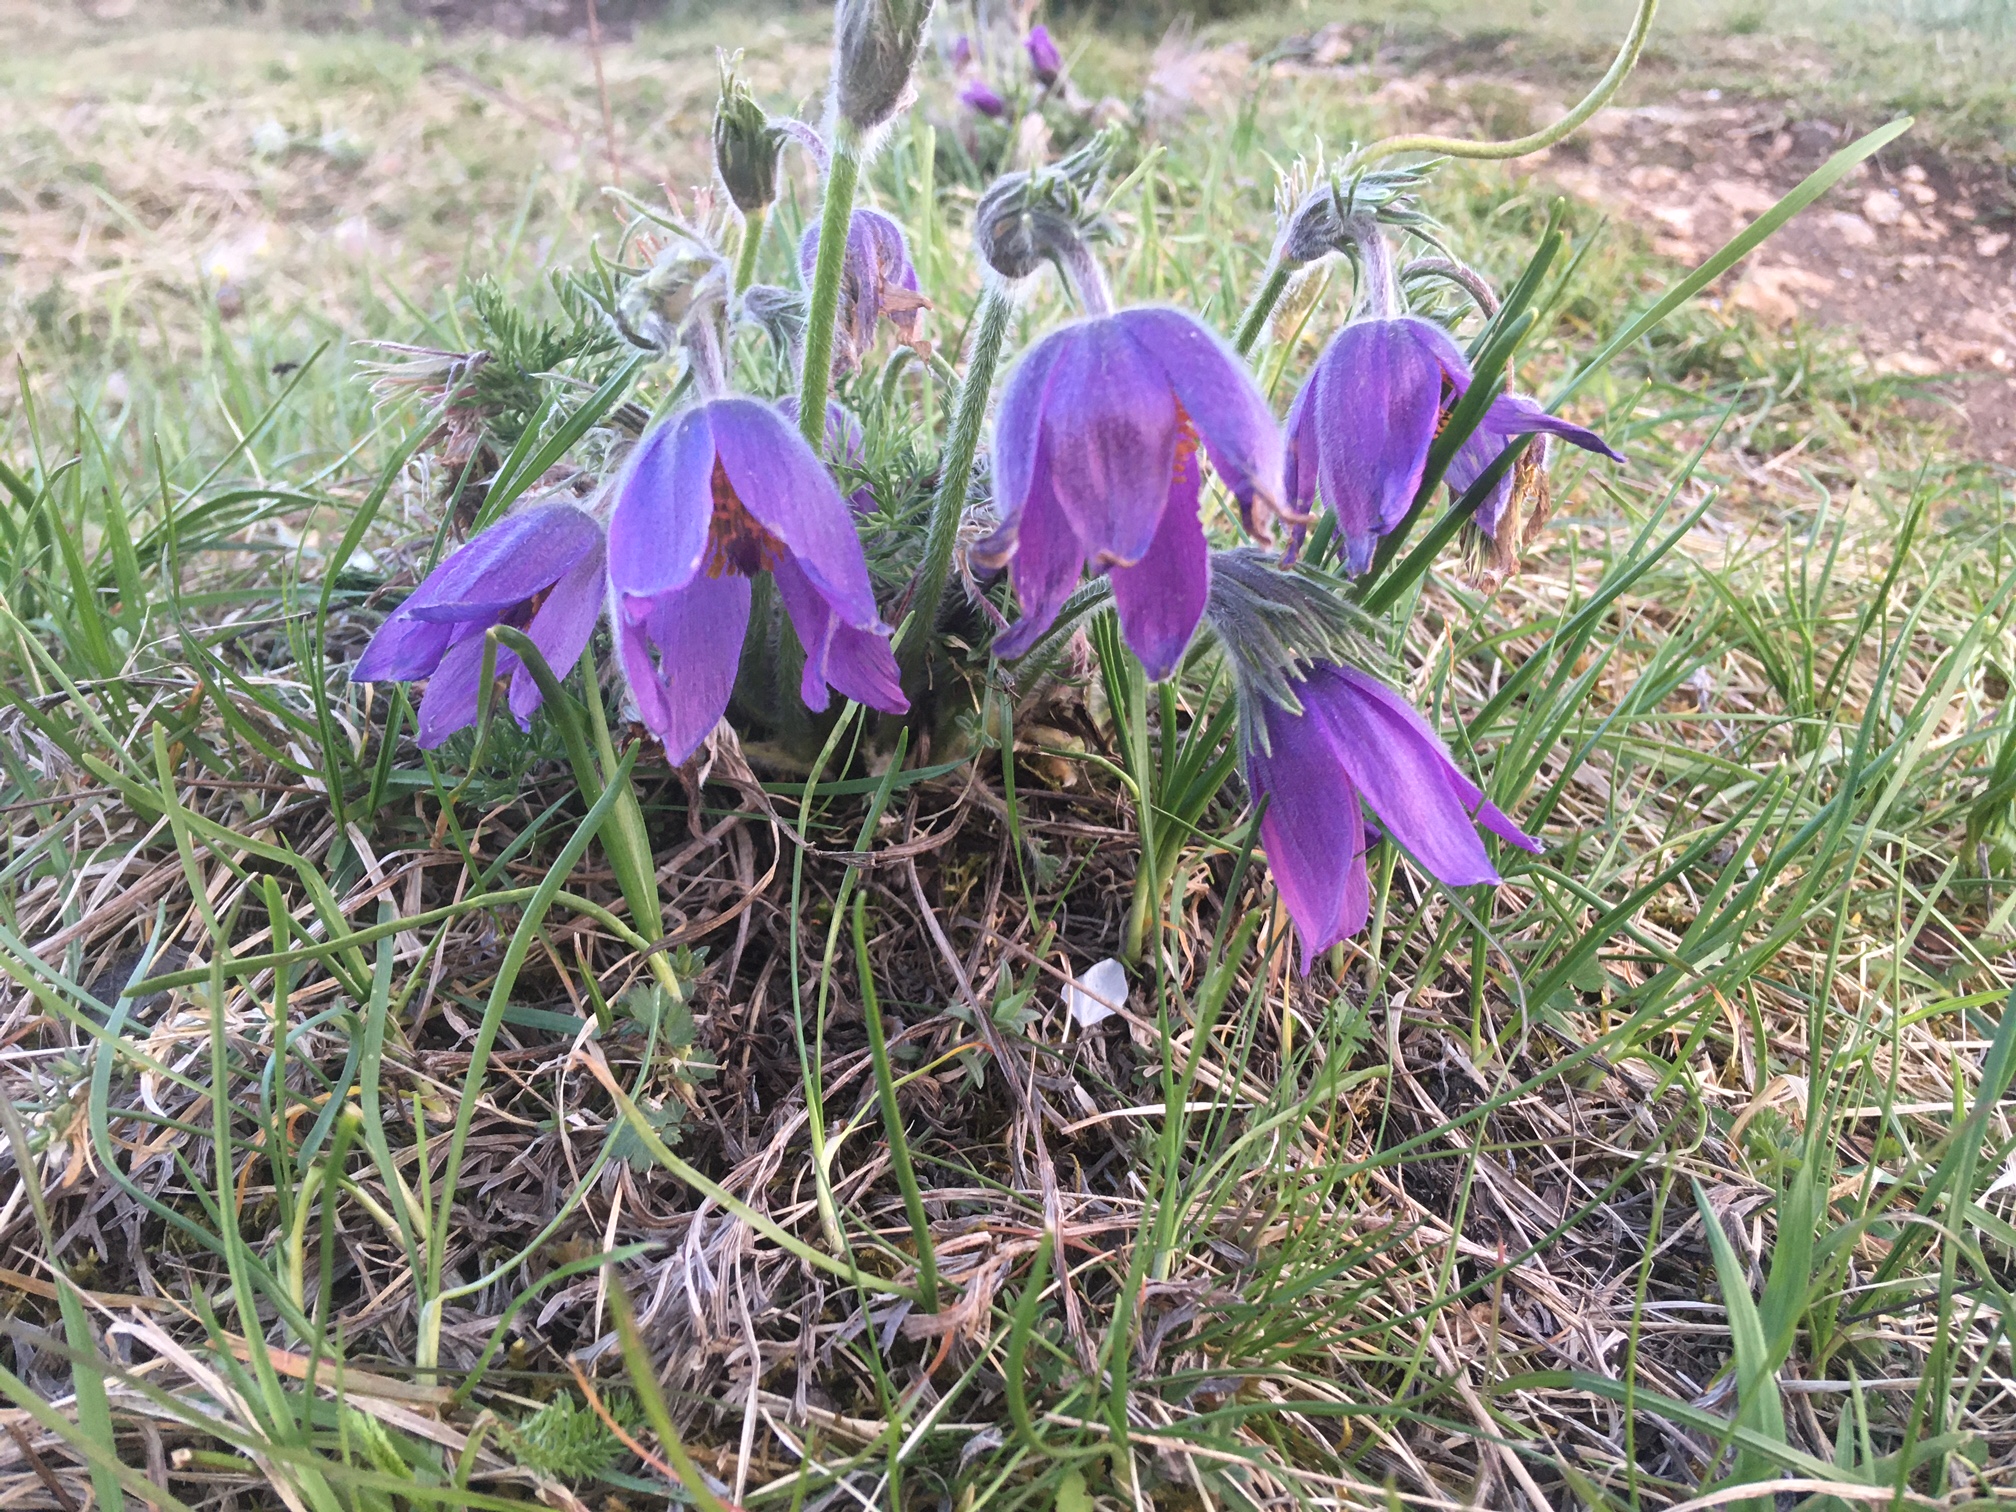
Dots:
pixel 980 97
pixel 717 494
pixel 1357 739
pixel 1360 430
pixel 1509 416
pixel 877 282
pixel 1096 463
pixel 539 570
pixel 1045 61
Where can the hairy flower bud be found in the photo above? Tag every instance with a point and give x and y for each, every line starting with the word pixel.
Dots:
pixel 746 146
pixel 1027 219
pixel 1319 215
pixel 875 46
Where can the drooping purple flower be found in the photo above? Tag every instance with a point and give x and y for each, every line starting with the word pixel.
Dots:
pixel 877 282
pixel 1518 503
pixel 715 495
pixel 977 95
pixel 960 55
pixel 539 570
pixel 1096 463
pixel 1045 61
pixel 1357 739
pixel 1360 430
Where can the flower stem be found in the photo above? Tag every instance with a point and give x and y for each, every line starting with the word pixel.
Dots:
pixel 1268 295
pixel 941 535
pixel 1547 136
pixel 752 243
pixel 834 218
pixel 892 1115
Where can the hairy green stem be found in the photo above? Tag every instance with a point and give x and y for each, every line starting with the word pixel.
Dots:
pixel 892 1115
pixel 752 243
pixel 1268 295
pixel 1547 136
pixel 834 219
pixel 955 472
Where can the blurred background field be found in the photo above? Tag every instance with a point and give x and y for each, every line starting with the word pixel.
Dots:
pixel 208 212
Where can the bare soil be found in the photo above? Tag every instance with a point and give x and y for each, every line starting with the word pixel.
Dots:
pixel 1914 253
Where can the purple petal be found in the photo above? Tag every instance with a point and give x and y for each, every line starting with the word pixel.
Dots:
pixel 1045 61
pixel 1018 436
pixel 505 565
pixel 1161 598
pixel 977 95
pixel 1222 400
pixel 1378 400
pixel 1044 569
pixel 788 491
pixel 1479 450
pixel 858 663
pixel 1406 775
pixel 1109 430
pixel 680 650
pixel 1517 415
pixel 1311 830
pixel 561 629
pixel 449 704
pixel 658 531
pixel 1304 454
pixel 403 649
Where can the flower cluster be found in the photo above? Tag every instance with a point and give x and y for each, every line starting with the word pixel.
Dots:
pixel 1116 437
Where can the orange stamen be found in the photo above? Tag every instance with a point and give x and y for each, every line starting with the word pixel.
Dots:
pixel 735 541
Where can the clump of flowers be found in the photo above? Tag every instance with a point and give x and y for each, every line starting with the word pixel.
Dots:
pixel 751 551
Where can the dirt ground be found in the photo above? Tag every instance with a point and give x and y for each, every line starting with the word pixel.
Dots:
pixel 1914 253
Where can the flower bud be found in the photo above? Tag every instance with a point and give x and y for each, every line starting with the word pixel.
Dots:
pixel 1045 61
pixel 746 146
pixel 1320 214
pixel 1027 219
pixel 875 46
pixel 977 95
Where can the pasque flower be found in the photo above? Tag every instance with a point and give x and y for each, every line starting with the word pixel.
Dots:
pixel 539 570
pixel 1517 504
pixel 1356 739
pixel 877 282
pixel 720 492
pixel 1045 61
pixel 977 95
pixel 1360 430
pixel 1096 462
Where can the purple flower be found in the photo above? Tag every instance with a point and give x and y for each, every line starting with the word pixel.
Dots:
pixel 877 282
pixel 961 56
pixel 1096 461
pixel 1513 415
pixel 1360 430
pixel 539 570
pixel 977 95
pixel 719 493
pixel 1356 738
pixel 1045 61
